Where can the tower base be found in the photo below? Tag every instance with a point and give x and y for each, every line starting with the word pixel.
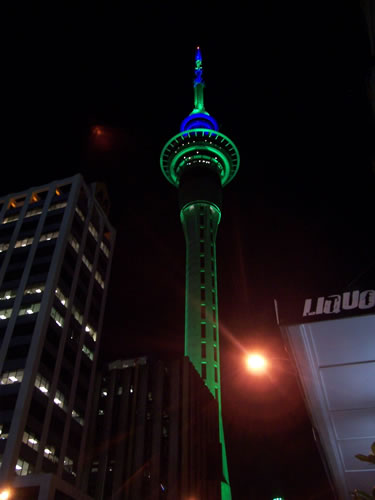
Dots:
pixel 226 493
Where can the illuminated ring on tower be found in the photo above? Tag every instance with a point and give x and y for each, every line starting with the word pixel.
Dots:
pixel 210 144
pixel 199 120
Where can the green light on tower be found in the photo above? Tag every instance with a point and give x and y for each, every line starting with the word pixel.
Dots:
pixel 199 161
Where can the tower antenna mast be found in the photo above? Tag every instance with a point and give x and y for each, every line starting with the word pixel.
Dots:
pixel 198 83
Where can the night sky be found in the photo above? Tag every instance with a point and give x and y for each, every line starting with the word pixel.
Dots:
pixel 101 90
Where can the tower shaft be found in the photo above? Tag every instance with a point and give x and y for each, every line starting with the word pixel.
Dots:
pixel 200 220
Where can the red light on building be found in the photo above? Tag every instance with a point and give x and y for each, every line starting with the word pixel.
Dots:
pixel 97 130
pixel 101 138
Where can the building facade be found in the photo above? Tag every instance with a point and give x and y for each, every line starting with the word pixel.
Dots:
pixel 56 246
pixel 331 340
pixel 156 434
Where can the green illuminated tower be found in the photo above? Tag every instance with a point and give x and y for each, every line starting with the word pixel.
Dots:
pixel 199 161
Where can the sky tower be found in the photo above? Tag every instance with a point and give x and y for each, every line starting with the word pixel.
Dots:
pixel 199 161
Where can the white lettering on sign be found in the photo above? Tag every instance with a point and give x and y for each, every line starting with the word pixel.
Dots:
pixel 334 304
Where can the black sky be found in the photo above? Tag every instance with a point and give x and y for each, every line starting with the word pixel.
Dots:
pixel 286 82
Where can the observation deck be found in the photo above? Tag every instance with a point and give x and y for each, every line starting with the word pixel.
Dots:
pixel 201 147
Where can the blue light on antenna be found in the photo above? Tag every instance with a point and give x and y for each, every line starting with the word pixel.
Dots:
pixel 198 68
pixel 199 120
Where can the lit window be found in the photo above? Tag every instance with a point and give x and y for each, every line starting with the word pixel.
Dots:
pixel 61 297
pixel 34 198
pixel 48 236
pixel 4 247
pixel 34 289
pixel 17 202
pixel 99 279
pixel 42 384
pixel 23 243
pixel 23 468
pixel 90 330
pixel 80 214
pixel 11 218
pixel 29 309
pixel 93 231
pixel 59 399
pixel 87 262
pixel 3 435
pixel 57 317
pixel 77 417
pixel 105 249
pixel 5 313
pixel 68 464
pixel 56 206
pixel 30 440
pixel 50 453
pixel 87 351
pixel 31 213
pixel 11 377
pixel 74 243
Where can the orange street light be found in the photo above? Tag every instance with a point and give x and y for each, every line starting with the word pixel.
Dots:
pixel 5 494
pixel 256 363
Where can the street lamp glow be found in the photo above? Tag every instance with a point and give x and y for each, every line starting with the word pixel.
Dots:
pixel 256 363
pixel 5 494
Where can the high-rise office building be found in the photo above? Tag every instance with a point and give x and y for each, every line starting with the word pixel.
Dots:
pixel 56 246
pixel 156 433
pixel 199 161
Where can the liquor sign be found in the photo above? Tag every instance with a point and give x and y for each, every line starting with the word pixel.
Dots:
pixel 337 303
pixel 325 307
